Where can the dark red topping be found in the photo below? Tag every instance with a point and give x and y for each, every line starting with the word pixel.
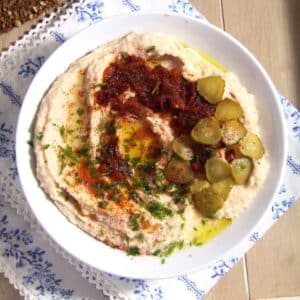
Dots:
pixel 112 163
pixel 159 89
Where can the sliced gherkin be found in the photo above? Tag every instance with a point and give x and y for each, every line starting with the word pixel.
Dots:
pixel 217 169
pixel 241 169
pixel 223 187
pixel 208 202
pixel 198 185
pixel 179 171
pixel 232 131
pixel 228 110
pixel 250 145
pixel 207 131
pixel 211 88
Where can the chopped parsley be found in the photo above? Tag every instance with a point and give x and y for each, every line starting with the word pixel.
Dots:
pixel 157 252
pixel 110 127
pixel 39 136
pixel 135 161
pixel 84 151
pixel 173 246
pixel 44 147
pixel 150 49
pixel 140 236
pixel 160 175
pixel 62 130
pixel 203 222
pixel 158 210
pixel 102 204
pixel 133 251
pixel 134 222
pixel 66 157
pixel 79 111
pixel 65 196
pixel 30 143
pixel 134 195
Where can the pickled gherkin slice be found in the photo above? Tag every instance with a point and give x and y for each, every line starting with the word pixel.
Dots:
pixel 250 145
pixel 179 171
pixel 182 147
pixel 241 169
pixel 208 202
pixel 198 185
pixel 232 131
pixel 217 169
pixel 228 110
pixel 222 187
pixel 207 131
pixel 211 88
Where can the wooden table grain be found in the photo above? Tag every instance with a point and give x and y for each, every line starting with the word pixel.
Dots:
pixel 270 29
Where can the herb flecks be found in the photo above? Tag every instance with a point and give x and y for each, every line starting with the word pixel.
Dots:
pixel 133 251
pixel 102 204
pixel 66 157
pixel 79 111
pixel 62 131
pixel 150 49
pixel 39 136
pixel 157 252
pixel 134 222
pixel 158 210
pixel 173 246
pixel 44 147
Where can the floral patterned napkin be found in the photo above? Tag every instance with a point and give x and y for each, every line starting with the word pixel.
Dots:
pixel 31 261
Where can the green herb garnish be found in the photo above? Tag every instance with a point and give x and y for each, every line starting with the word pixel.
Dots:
pixel 157 252
pixel 84 151
pixel 30 143
pixel 150 49
pixel 39 136
pixel 65 196
pixel 66 157
pixel 133 251
pixel 140 236
pixel 44 147
pixel 134 195
pixel 102 204
pixel 173 246
pixel 133 221
pixel 158 210
pixel 80 111
pixel 62 130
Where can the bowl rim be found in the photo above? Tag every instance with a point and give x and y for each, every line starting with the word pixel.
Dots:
pixel 202 22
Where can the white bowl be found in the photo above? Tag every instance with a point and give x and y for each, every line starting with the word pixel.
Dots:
pixel 198 34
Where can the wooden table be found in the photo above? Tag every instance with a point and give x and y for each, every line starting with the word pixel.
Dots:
pixel 270 29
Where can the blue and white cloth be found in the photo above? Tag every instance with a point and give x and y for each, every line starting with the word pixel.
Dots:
pixel 36 266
